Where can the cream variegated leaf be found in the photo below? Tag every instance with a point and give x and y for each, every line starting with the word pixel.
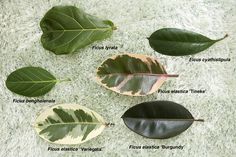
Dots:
pixel 69 124
pixel 132 74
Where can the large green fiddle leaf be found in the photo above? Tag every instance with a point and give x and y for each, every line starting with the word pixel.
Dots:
pixel 31 81
pixel 178 42
pixel 69 124
pixel 66 29
pixel 158 119
pixel 132 74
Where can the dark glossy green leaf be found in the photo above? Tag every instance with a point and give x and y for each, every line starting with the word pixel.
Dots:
pixel 132 74
pixel 158 119
pixel 69 124
pixel 66 29
pixel 30 81
pixel 178 42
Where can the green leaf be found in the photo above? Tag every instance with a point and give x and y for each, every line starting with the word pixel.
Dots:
pixel 31 81
pixel 67 29
pixel 177 42
pixel 132 74
pixel 158 119
pixel 69 124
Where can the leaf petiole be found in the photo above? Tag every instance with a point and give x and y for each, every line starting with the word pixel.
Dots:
pixel 114 28
pixel 109 124
pixel 171 75
pixel 199 120
pixel 64 80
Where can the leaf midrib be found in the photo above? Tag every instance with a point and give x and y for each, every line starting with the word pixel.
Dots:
pixel 48 81
pixel 211 41
pixel 127 74
pixel 79 30
pixel 74 123
pixel 161 119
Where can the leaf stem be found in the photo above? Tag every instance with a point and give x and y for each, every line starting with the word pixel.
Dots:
pixel 114 28
pixel 64 80
pixel 199 120
pixel 171 75
pixel 109 124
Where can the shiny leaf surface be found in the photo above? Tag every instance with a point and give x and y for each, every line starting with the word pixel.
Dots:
pixel 158 119
pixel 132 74
pixel 69 124
pixel 178 42
pixel 66 29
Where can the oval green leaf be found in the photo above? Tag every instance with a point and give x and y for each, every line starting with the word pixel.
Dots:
pixel 178 42
pixel 132 74
pixel 30 81
pixel 69 124
pixel 158 119
pixel 66 29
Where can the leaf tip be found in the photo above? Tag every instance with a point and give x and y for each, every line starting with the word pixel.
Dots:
pixel 226 35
